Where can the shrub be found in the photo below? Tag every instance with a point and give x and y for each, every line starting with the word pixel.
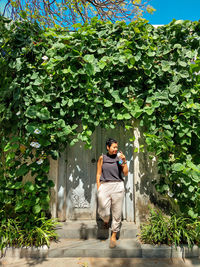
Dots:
pixel 17 233
pixel 170 230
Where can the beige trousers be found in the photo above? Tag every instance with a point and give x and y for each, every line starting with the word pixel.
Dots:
pixel 110 196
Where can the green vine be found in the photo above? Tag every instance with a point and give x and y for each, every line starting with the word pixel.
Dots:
pixel 51 80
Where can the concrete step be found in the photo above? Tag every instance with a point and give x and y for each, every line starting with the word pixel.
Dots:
pixel 94 230
pixel 103 262
pixel 126 248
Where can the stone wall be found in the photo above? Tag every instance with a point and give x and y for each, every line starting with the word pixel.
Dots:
pixel 145 171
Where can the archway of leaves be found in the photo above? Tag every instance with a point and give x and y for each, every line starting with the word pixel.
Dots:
pixel 101 74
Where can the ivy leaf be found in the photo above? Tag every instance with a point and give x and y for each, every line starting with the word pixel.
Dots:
pixel 167 126
pixel 10 156
pixel 44 142
pixel 89 58
pixel 37 82
pixel 178 167
pixel 120 117
pixel 37 209
pixel 178 46
pixel 34 76
pixel 136 112
pixel 73 142
pixel 177 22
pixel 2 107
pixel 151 53
pixel 182 63
pixel 18 64
pixel 138 56
pixel 43 114
pixel 102 64
pixel 29 187
pixel 31 112
pixel 100 50
pixel 19 207
pixel 107 103
pixel 195 176
pixel 38 98
pixel 165 66
pixel 17 185
pixel 127 116
pixel 11 146
pixel 162 188
pixel 89 69
pixel 184 73
pixel 174 88
pixel 122 59
pixel 116 96
pixel 23 170
pixel 66 71
pixel 67 130
pixel 191 188
pixel 64 102
pixel 149 110
pixel 192 214
pixel 58 45
pixel 193 166
pixel 131 62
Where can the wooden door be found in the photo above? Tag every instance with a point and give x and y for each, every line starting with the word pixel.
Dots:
pixel 77 176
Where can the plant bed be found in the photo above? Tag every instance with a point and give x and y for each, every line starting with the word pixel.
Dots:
pixel 28 252
pixel 169 236
pixel 165 251
pixel 18 237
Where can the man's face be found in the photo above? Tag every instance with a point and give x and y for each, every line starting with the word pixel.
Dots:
pixel 112 150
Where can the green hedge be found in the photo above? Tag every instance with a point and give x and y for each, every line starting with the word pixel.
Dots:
pixel 100 74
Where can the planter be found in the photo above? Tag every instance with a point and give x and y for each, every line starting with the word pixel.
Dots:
pixel 164 251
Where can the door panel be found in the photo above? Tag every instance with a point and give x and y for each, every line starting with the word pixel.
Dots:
pixel 80 181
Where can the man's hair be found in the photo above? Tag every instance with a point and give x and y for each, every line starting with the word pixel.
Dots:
pixel 110 141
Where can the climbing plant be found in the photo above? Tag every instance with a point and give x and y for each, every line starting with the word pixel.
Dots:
pixel 53 81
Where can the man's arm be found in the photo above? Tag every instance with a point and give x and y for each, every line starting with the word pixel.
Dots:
pixel 125 169
pixel 99 171
pixel 124 164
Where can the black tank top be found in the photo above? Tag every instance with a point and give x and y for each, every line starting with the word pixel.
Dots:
pixel 111 169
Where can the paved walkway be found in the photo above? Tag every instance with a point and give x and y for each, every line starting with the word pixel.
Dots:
pixel 99 262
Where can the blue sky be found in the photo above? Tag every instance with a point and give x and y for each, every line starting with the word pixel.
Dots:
pixel 167 10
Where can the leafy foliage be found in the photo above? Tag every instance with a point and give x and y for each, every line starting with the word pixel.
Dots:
pixel 175 230
pixel 53 81
pixel 17 233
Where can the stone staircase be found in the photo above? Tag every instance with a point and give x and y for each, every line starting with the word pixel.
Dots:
pixel 79 239
pixel 89 239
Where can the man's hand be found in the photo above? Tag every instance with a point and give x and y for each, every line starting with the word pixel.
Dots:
pixel 98 185
pixel 122 156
